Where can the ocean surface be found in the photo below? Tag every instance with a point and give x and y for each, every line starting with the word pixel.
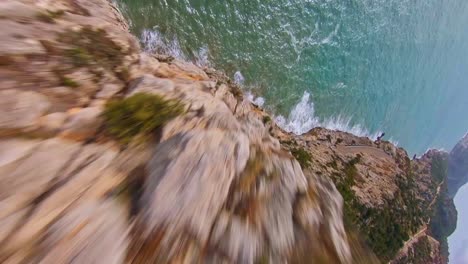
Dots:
pixel 363 66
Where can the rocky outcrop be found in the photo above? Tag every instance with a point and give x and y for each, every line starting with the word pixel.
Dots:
pixel 396 204
pixel 458 167
pixel 215 181
pixel 210 184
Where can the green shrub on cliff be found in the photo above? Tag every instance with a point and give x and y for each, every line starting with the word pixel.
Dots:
pixel 384 228
pixel 443 215
pixel 139 115
pixel 90 46
pixel 302 156
pixel 439 168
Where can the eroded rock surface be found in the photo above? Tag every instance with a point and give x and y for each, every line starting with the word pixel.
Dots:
pixel 218 183
pixel 213 187
pixel 458 166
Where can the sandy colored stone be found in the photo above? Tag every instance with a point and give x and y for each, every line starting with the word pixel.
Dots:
pixel 94 232
pixel 21 110
pixel 151 84
pixel 82 123
pixel 181 70
pixel 217 184
pixel 65 188
pixel 146 65
pixel 224 94
pixel 108 90
pixel 52 123
pixel 85 81
pixel 27 173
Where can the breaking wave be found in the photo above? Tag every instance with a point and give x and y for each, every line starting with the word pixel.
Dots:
pixel 239 78
pixel 155 42
pixel 302 118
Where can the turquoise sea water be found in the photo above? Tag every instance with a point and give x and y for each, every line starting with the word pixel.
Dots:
pixel 365 66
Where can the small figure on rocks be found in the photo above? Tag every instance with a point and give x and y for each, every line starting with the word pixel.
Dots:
pixel 379 138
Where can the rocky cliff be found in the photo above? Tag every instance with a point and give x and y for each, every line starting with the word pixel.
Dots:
pixel 458 166
pixel 112 155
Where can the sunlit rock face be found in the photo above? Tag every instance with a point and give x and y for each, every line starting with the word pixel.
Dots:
pixel 216 181
pixel 209 185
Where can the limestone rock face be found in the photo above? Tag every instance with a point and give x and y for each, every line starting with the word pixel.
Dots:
pixel 52 123
pixel 219 183
pixel 21 110
pixel 221 189
pixel 82 123
pixel 214 186
pixel 101 225
pixel 458 166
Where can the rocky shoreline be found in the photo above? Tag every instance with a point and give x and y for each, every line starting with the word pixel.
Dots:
pixel 216 181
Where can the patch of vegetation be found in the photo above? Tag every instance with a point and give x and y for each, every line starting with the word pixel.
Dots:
pixel 266 119
pixel 350 168
pixel 68 82
pixel 236 91
pixel 386 228
pixel 78 56
pixel 263 259
pixel 302 156
pixel 439 168
pixel 139 115
pixel 50 16
pixel 92 47
pixel 288 142
pixel 443 220
pixel 333 164
pixel 421 253
pixel 344 184
pixel 355 160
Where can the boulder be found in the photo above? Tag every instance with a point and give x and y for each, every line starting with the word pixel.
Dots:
pixel 82 123
pixel 52 123
pixel 20 111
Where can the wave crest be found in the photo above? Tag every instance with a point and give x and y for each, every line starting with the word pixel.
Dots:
pixel 155 42
pixel 302 119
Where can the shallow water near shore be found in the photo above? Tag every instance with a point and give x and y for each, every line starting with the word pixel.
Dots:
pixel 399 67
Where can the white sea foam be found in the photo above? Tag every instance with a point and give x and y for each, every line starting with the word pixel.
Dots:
pixel 329 38
pixel 154 41
pixel 302 119
pixel 202 57
pixel 256 100
pixel 259 101
pixel 239 78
